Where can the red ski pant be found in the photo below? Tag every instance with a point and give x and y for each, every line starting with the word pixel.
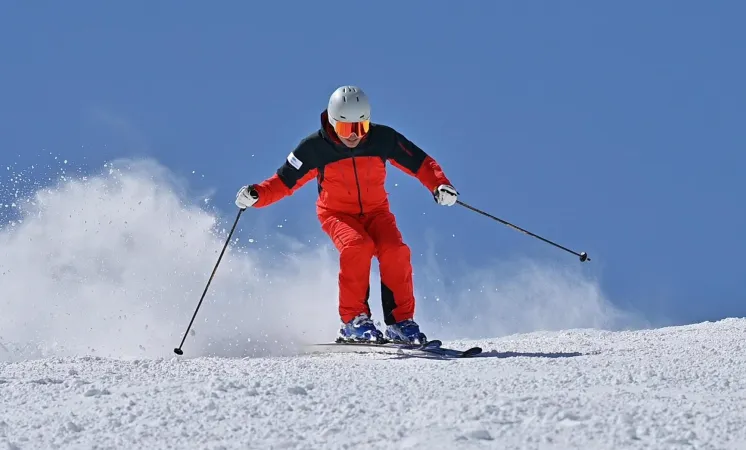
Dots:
pixel 358 240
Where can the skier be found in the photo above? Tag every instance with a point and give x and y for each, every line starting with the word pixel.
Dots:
pixel 348 156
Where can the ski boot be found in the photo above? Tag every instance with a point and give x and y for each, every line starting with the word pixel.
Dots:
pixel 359 329
pixel 406 332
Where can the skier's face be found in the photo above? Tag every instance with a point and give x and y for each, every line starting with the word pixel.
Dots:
pixel 352 141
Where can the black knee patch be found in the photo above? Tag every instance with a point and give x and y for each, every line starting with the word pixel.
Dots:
pixel 388 304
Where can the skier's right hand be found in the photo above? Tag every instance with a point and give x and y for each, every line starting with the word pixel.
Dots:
pixel 246 197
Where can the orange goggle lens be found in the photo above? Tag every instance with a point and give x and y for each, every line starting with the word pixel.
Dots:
pixel 345 129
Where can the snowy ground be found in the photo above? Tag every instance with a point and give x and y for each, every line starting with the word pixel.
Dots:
pixel 682 387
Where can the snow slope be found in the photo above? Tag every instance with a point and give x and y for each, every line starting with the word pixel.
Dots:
pixel 678 387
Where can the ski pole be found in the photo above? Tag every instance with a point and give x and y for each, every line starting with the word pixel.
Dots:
pixel 582 255
pixel 178 350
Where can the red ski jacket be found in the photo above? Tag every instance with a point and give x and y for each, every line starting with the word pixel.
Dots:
pixel 349 180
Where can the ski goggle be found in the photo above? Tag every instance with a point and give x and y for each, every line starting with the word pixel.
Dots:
pixel 345 129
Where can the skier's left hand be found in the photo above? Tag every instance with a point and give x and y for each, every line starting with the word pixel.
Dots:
pixel 446 195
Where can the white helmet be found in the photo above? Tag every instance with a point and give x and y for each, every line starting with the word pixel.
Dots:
pixel 348 104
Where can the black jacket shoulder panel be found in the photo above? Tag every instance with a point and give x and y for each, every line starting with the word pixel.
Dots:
pixel 303 159
pixel 383 137
pixel 401 149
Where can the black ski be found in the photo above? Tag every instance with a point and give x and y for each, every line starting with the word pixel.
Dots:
pixel 434 347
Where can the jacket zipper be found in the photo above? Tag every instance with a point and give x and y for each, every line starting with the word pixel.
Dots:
pixel 357 182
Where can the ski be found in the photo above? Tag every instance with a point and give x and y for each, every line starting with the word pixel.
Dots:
pixel 434 347
pixel 454 353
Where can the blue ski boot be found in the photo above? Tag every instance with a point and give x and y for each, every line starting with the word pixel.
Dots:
pixel 406 332
pixel 359 329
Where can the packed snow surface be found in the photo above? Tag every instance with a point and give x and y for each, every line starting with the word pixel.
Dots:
pixel 678 387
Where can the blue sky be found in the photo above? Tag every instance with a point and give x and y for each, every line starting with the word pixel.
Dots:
pixel 613 129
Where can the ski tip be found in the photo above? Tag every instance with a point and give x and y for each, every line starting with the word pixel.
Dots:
pixel 472 352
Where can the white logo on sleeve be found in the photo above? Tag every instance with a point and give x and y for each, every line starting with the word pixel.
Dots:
pixel 294 161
